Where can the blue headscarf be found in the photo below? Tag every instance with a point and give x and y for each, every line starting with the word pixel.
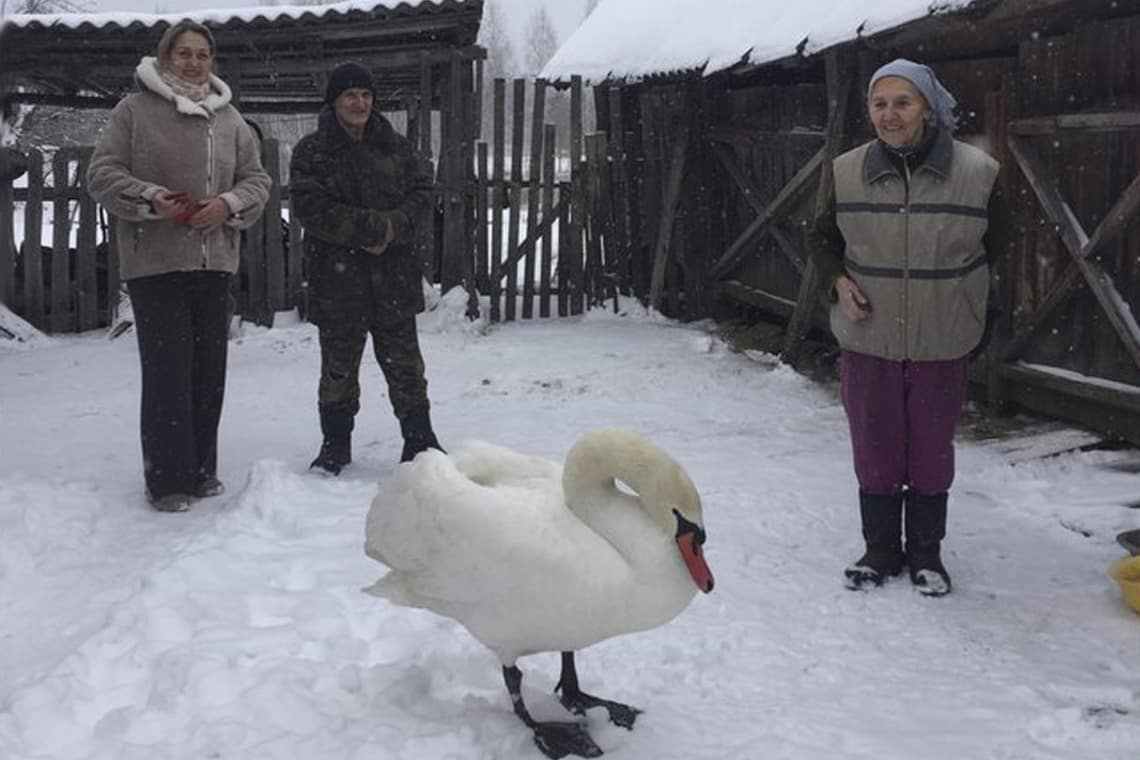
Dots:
pixel 939 99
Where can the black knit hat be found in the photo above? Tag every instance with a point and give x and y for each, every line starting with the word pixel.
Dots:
pixel 345 77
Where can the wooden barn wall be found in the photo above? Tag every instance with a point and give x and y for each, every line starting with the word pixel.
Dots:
pixel 785 125
pixel 1096 68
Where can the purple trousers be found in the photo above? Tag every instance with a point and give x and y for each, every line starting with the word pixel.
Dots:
pixel 902 416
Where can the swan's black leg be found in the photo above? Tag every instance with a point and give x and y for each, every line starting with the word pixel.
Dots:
pixel 555 739
pixel 579 701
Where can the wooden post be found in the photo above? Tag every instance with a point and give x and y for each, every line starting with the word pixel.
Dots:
pixel 534 195
pixel 575 269
pixel 518 122
pixel 668 215
pixel 499 129
pixel 87 289
pixel 61 317
pixel 595 152
pixel 547 212
pixel 425 101
pixel 7 246
pixel 838 64
pixel 482 188
pixel 274 242
pixel 34 306
pixel 297 292
pixel 998 107
pixel 565 251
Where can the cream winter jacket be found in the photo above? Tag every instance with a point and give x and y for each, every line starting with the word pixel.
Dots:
pixel 157 139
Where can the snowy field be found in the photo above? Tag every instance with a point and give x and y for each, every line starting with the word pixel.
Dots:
pixel 238 631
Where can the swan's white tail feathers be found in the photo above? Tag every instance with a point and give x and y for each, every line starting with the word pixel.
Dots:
pixel 393 588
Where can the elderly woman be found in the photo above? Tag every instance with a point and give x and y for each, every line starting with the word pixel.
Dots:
pixel 902 250
pixel 179 168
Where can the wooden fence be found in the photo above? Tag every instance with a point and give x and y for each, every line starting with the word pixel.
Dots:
pixel 550 232
pixel 547 239
pixel 63 277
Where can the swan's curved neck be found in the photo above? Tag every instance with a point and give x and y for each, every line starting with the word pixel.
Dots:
pixel 601 457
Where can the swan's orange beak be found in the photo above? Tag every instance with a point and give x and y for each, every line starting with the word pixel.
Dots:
pixel 695 560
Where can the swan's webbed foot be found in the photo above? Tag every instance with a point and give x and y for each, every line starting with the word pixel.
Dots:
pixel 578 701
pixel 556 739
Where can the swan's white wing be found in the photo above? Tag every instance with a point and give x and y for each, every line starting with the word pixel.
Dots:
pixel 450 540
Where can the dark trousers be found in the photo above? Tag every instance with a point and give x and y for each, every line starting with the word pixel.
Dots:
pixel 902 416
pixel 397 350
pixel 182 322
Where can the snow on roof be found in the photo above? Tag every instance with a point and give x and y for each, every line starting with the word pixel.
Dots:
pixel 629 39
pixel 223 15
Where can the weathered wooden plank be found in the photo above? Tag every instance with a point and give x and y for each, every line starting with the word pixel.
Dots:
pixel 34 304
pixel 275 286
pixel 631 115
pixel 534 196
pixel 498 158
pixel 7 246
pixel 114 282
pixel 61 314
pixel 1075 240
pixel 548 213
pixel 619 184
pixel 425 132
pixel 1084 122
pixel 668 214
pixel 296 282
pixel 1057 295
pixel 256 307
pixel 87 287
pixel 482 191
pixel 839 67
pixel 1122 214
pixel 789 196
pixel 595 155
pixel 565 250
pixel 758 297
pixel 610 261
pixel 518 126
pixel 575 283
pixel 454 169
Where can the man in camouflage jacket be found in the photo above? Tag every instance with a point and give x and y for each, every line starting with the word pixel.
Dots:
pixel 359 189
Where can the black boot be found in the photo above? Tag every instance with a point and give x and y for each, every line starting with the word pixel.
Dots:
pixel 417 432
pixel 882 530
pixel 336 449
pixel 925 529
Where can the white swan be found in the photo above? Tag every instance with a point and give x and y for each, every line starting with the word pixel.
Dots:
pixel 533 557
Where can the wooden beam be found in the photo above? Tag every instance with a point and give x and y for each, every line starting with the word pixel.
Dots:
pixel 758 297
pixel 1076 241
pixel 788 196
pixel 1123 213
pixel 1078 122
pixel 668 215
pixel 840 79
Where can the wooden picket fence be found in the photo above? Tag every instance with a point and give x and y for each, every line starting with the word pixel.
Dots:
pixel 532 213
pixel 70 281
pixel 548 230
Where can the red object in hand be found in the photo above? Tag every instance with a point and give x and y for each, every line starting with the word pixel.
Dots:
pixel 188 207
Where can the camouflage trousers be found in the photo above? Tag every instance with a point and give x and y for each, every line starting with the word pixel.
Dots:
pixel 397 350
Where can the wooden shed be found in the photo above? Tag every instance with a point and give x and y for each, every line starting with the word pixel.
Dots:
pixel 721 124
pixel 423 55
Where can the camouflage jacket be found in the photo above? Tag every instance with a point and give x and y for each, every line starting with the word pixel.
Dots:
pixel 345 193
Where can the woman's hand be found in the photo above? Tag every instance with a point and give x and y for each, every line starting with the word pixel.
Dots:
pixel 167 204
pixel 212 215
pixel 852 299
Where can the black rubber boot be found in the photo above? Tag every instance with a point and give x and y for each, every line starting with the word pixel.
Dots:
pixel 882 531
pixel 925 529
pixel 417 432
pixel 336 448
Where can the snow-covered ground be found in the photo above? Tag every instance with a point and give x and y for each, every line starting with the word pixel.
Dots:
pixel 238 630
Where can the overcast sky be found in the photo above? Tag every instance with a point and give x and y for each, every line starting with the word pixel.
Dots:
pixel 566 14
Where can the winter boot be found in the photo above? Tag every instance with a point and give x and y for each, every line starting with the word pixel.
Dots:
pixel 417 432
pixel 925 529
pixel 882 531
pixel 336 449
